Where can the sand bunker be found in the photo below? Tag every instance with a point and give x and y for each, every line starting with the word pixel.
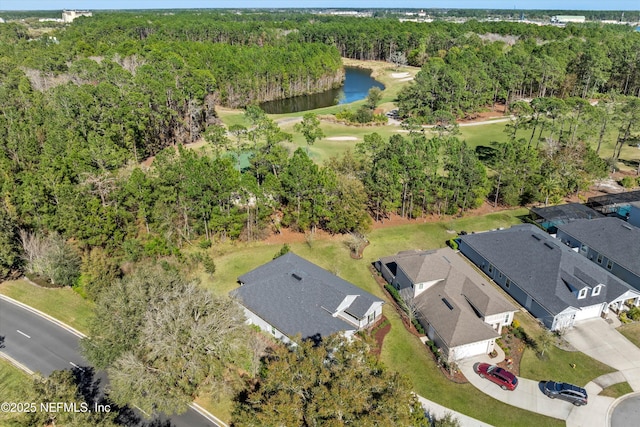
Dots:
pixel 342 138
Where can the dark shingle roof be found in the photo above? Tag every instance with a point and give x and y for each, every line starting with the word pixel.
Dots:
pixel 298 297
pixel 544 267
pixel 612 237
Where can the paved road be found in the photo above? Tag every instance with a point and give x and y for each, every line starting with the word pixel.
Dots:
pixel 43 346
pixel 627 411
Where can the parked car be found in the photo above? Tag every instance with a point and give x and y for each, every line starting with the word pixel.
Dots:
pixel 502 377
pixel 569 392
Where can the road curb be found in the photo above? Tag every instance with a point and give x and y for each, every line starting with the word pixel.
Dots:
pixel 616 402
pixel 199 409
pixel 15 363
pixel 43 315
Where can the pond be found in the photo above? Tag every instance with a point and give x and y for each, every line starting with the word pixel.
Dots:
pixel 356 86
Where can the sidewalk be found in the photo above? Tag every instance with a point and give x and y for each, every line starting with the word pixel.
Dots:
pixel 440 411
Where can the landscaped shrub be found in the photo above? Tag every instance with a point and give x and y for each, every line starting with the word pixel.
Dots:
pixel 418 326
pixel 634 313
pixel 623 317
pixel 395 294
pixel 453 244
pixel 628 182
pixel 529 341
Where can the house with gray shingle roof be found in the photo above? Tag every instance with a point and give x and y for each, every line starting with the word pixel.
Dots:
pixel 611 243
pixel 554 283
pixel 291 296
pixel 461 312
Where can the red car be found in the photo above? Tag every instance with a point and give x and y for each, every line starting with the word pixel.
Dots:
pixel 502 377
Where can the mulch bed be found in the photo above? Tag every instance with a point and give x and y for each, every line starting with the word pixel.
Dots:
pixel 378 333
pixel 513 355
pixel 403 315
pixel 361 249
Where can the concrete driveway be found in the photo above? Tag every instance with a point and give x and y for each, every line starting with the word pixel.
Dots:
pixel 600 340
pixel 528 395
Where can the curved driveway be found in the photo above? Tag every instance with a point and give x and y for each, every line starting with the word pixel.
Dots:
pixel 43 346
pixel 599 340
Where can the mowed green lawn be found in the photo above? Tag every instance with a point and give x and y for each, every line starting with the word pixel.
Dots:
pixel 557 364
pixel 64 304
pixel 14 387
pixel 632 332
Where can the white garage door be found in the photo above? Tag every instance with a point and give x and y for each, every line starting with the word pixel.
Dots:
pixel 589 312
pixel 474 349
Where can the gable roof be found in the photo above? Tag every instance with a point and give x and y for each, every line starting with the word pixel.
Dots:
pixel 298 297
pixel 544 268
pixel 450 305
pixel 612 237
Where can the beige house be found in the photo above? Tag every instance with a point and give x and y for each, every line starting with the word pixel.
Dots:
pixel 460 311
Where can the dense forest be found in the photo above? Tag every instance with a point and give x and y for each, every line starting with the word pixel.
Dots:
pixel 82 106
pixel 96 178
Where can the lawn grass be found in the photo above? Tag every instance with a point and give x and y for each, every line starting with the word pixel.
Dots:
pixel 557 364
pixel 401 351
pixel 632 332
pixel 14 386
pixel 616 390
pixel 221 405
pixel 62 303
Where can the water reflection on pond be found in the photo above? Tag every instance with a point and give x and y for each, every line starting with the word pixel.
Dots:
pixel 356 86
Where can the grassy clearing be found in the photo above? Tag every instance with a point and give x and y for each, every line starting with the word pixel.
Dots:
pixel 632 332
pixel 556 364
pixel 616 390
pixel 14 384
pixel 62 303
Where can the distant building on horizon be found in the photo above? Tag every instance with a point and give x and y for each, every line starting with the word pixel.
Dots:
pixel 69 15
pixel 565 19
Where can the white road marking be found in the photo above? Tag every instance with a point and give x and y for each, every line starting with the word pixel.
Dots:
pixel 76 366
pixel 22 333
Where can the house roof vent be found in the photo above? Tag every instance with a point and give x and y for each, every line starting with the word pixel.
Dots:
pixel 447 303
pixel 549 245
pixel 535 236
pixel 295 276
pixel 627 226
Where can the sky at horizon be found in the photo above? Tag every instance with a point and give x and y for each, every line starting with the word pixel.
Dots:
pixel 367 4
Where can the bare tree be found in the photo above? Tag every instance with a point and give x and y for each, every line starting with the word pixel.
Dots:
pixel 398 59
pixel 545 340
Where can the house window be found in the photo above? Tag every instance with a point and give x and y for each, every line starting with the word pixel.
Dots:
pixel 273 330
pixel 599 259
pixel 507 284
pixel 490 268
pixel 583 293
pixel 609 264
pixel 371 317
pixel 584 248
pixel 506 319
pixel 596 290
pixel 500 274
